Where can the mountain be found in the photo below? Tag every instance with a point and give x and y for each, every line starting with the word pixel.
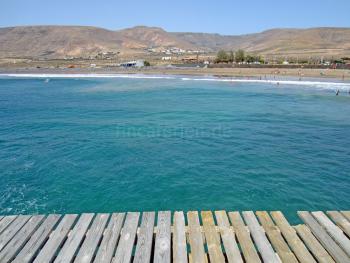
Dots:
pixel 63 41
pixel 326 41
pixel 151 37
pixel 55 41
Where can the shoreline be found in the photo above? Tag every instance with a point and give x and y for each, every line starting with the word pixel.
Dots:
pixel 257 73
pixel 320 83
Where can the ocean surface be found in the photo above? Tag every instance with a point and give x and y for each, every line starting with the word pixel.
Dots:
pixel 120 144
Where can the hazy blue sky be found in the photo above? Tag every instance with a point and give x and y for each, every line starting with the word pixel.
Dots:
pixel 225 17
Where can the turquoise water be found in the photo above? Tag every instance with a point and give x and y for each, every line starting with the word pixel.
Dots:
pixel 78 145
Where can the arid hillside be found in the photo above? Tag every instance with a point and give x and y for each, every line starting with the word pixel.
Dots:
pixel 81 41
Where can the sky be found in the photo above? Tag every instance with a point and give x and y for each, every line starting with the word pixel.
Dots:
pixel 229 17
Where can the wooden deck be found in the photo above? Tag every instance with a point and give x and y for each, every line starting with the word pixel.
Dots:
pixel 176 237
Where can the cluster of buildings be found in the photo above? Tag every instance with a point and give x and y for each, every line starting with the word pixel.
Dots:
pixel 172 51
pixel 108 55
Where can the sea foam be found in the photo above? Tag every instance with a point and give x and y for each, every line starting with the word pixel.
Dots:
pixel 308 83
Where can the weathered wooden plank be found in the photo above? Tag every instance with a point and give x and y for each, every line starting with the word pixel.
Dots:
pixel 108 245
pixel 314 246
pixel 74 239
pixel 22 237
pixel 127 239
pixel 35 242
pixel 12 229
pixel 18 241
pixel 195 238
pixel 212 237
pixel 328 243
pixel 93 238
pixel 340 220
pixel 246 243
pixel 228 238
pixel 289 233
pixel 346 214
pixel 264 246
pixel 333 231
pixel 5 222
pixel 276 238
pixel 145 239
pixel 162 249
pixel 56 239
pixel 179 239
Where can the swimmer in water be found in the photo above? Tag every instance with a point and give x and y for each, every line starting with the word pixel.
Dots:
pixel 337 93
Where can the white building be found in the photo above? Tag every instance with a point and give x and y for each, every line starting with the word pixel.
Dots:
pixel 133 64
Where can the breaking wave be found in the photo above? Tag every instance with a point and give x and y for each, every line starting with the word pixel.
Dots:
pixel 310 83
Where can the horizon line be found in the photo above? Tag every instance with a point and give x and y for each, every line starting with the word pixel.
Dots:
pixel 158 27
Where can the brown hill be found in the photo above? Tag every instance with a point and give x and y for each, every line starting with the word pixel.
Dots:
pixel 62 41
pixel 144 37
pixel 321 41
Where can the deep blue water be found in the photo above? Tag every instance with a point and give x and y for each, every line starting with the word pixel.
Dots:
pixel 78 145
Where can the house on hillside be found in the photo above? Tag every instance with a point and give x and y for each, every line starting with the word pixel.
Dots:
pixel 166 58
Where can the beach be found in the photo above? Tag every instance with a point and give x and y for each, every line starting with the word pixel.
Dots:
pixel 257 73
